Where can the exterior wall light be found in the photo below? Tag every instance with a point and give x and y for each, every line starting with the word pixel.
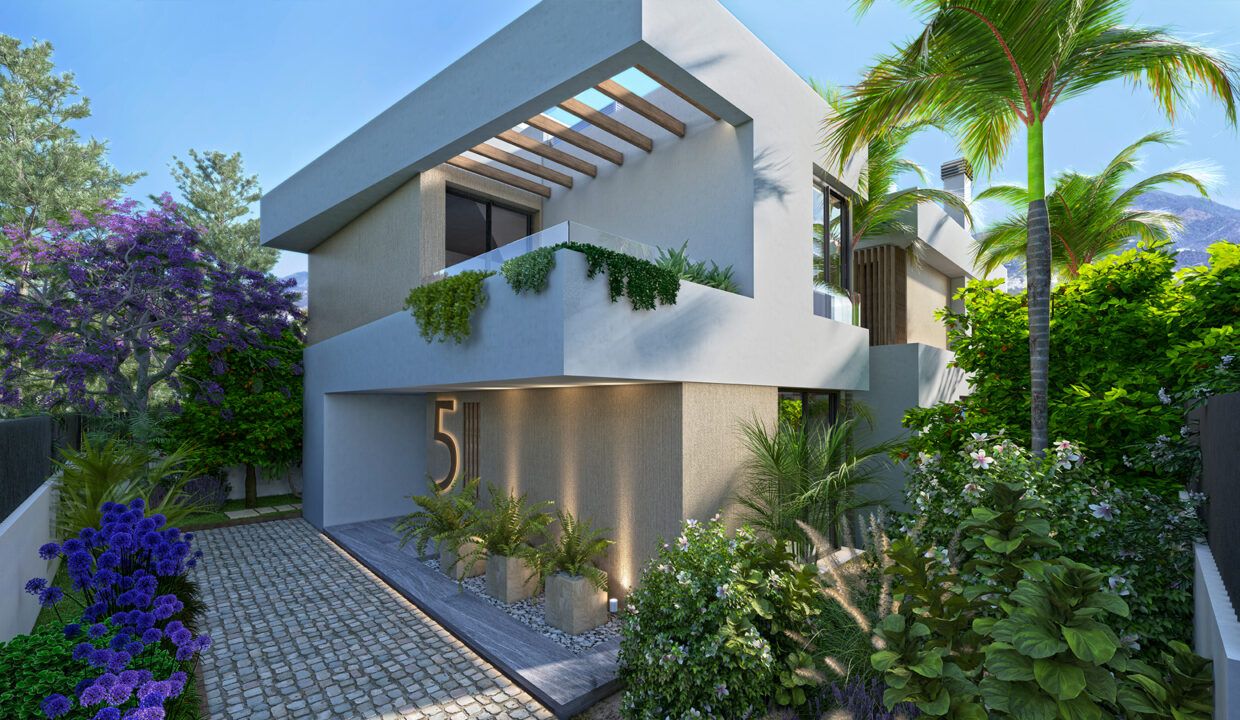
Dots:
pixel 613 605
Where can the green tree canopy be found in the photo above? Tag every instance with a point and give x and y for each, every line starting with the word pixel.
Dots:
pixel 218 195
pixel 243 407
pixel 46 170
pixel 1091 215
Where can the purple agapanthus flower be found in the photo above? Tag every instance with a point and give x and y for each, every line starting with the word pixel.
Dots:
pixel 56 705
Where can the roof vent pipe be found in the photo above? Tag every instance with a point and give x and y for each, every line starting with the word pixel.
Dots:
pixel 957 178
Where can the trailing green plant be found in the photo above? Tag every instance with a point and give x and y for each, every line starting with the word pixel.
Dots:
pixel 575 551
pixel 445 517
pixel 118 471
pixel 1005 626
pixel 444 308
pixel 807 473
pixel 1130 339
pixel 715 628
pixel 509 527
pixel 677 261
pixel 643 282
pixel 1142 540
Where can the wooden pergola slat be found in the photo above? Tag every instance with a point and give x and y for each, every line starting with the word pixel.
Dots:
pixel 678 93
pixel 498 175
pixel 529 144
pixel 641 106
pixel 607 123
pixel 572 137
pixel 520 163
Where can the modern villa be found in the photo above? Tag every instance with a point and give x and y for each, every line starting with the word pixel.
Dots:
pixel 635 125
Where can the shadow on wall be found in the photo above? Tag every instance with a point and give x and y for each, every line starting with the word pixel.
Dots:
pixel 766 171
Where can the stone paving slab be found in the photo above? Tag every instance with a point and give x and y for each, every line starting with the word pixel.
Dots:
pixel 303 631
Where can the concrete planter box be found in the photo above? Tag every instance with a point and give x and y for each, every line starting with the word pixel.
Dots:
pixel 573 604
pixel 450 567
pixel 507 579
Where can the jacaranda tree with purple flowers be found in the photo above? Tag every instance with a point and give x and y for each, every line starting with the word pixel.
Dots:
pixel 98 313
pixel 126 623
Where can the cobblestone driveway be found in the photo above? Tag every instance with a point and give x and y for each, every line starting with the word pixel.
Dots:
pixel 302 631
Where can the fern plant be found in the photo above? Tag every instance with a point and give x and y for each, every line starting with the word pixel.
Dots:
pixel 575 551
pixel 445 518
pixel 677 260
pixel 509 527
pixel 117 471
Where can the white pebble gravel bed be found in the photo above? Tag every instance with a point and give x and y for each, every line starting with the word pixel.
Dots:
pixel 530 612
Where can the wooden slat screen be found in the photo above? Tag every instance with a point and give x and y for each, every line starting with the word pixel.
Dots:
pixel 881 283
pixel 471 468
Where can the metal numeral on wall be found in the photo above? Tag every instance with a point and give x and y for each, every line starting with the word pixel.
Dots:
pixel 473 420
pixel 448 441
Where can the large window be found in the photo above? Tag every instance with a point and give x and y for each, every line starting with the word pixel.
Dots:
pixel 474 225
pixel 831 236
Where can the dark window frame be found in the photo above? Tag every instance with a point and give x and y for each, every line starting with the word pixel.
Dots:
pixel 490 203
pixel 845 206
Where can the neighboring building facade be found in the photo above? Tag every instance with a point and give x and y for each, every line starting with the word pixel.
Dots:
pixel 691 131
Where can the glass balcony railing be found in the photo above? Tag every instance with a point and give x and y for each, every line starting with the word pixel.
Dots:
pixel 491 260
pixel 834 305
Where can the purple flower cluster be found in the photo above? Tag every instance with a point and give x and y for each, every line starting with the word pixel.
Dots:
pixel 117 568
pixel 140 288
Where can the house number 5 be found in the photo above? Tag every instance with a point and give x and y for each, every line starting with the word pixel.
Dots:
pixel 448 441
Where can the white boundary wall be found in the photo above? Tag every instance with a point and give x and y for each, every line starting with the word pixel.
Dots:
pixel 21 534
pixel 1216 634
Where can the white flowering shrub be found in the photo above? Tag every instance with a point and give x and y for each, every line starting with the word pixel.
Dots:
pixel 1141 540
pixel 704 635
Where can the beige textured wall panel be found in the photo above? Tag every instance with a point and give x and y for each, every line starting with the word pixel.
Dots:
pixel 713 451
pixel 365 271
pixel 928 292
pixel 611 454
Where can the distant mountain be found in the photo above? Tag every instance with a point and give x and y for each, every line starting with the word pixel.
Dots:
pixel 303 286
pixel 1205 222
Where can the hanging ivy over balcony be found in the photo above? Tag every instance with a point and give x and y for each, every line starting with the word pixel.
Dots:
pixel 645 284
pixel 444 308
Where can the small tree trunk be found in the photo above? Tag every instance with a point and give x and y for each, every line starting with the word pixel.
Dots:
pixel 1038 270
pixel 251 486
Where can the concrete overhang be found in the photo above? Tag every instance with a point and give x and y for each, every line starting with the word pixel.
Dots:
pixel 557 49
pixel 943 243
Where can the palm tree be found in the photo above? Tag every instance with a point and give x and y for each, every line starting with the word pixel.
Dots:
pixel 884 209
pixel 805 473
pixel 984 68
pixel 1090 215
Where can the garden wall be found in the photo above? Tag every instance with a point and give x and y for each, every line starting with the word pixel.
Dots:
pixel 1216 628
pixel 25 458
pixel 21 534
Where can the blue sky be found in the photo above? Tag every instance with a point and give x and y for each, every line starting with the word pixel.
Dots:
pixel 282 81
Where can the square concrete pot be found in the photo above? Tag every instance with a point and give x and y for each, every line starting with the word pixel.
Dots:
pixel 510 579
pixel 456 570
pixel 573 604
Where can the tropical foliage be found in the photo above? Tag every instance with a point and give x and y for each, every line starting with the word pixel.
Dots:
pixel 1132 338
pixel 115 471
pixel 677 261
pixel 805 473
pixel 509 526
pixel 1141 541
pixel 444 517
pixel 575 551
pixel 1090 215
pixel 984 69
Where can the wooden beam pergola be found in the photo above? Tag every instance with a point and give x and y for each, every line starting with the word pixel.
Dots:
pixel 543 150
pixel 520 163
pixel 498 175
pixel 572 137
pixel 607 123
pixel 677 93
pixel 641 106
